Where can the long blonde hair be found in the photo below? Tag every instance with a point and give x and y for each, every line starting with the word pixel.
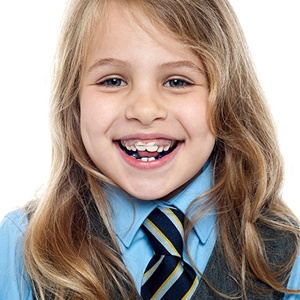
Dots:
pixel 62 255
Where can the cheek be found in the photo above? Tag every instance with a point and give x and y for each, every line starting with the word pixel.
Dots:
pixel 88 122
pixel 91 124
pixel 193 117
pixel 94 114
pixel 92 131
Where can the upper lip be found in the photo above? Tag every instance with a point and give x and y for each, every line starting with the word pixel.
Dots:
pixel 148 137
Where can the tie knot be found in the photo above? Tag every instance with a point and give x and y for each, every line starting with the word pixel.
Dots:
pixel 164 230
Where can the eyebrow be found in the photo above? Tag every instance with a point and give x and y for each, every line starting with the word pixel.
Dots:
pixel 182 64
pixel 108 62
pixel 169 65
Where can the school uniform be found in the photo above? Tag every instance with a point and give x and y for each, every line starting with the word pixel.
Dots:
pixel 136 249
pixel 203 248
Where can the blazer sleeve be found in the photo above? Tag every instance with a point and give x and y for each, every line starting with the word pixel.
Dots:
pixel 14 280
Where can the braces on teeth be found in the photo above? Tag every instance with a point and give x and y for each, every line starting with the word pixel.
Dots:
pixel 149 147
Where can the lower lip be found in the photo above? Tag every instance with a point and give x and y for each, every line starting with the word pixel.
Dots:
pixel 158 163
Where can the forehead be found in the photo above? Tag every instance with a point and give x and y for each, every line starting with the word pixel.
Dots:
pixel 130 15
pixel 124 33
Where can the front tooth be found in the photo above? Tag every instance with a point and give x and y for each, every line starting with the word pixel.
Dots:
pixel 151 158
pixel 144 158
pixel 152 147
pixel 140 146
pixel 133 148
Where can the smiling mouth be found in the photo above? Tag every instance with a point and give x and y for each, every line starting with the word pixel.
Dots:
pixel 150 151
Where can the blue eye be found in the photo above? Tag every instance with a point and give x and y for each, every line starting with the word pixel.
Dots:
pixel 112 82
pixel 177 83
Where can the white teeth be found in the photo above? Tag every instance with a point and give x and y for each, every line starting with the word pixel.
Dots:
pixel 140 146
pixel 160 149
pixel 150 147
pixel 129 148
pixel 166 148
pixel 146 159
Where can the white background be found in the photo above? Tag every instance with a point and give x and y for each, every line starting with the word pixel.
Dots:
pixel 28 33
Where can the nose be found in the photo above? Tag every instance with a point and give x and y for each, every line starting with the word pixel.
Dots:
pixel 146 107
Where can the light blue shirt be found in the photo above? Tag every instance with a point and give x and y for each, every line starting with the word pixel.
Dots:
pixel 134 245
pixel 14 281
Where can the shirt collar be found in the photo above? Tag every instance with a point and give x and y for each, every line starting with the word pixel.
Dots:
pixel 129 213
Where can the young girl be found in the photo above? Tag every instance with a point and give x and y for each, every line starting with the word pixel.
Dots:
pixel 156 113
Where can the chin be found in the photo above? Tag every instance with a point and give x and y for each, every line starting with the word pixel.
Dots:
pixel 147 194
pixel 157 193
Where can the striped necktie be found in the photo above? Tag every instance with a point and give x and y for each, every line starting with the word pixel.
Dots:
pixel 167 276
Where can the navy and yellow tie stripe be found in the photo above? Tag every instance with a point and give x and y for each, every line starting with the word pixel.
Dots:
pixel 167 276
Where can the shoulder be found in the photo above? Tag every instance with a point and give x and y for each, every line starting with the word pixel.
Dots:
pixel 12 230
pixel 14 222
pixel 14 282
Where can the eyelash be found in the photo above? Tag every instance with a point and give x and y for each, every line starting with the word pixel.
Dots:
pixel 115 82
pixel 179 83
pixel 106 81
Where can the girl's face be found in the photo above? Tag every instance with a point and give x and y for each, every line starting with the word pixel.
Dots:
pixel 143 99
